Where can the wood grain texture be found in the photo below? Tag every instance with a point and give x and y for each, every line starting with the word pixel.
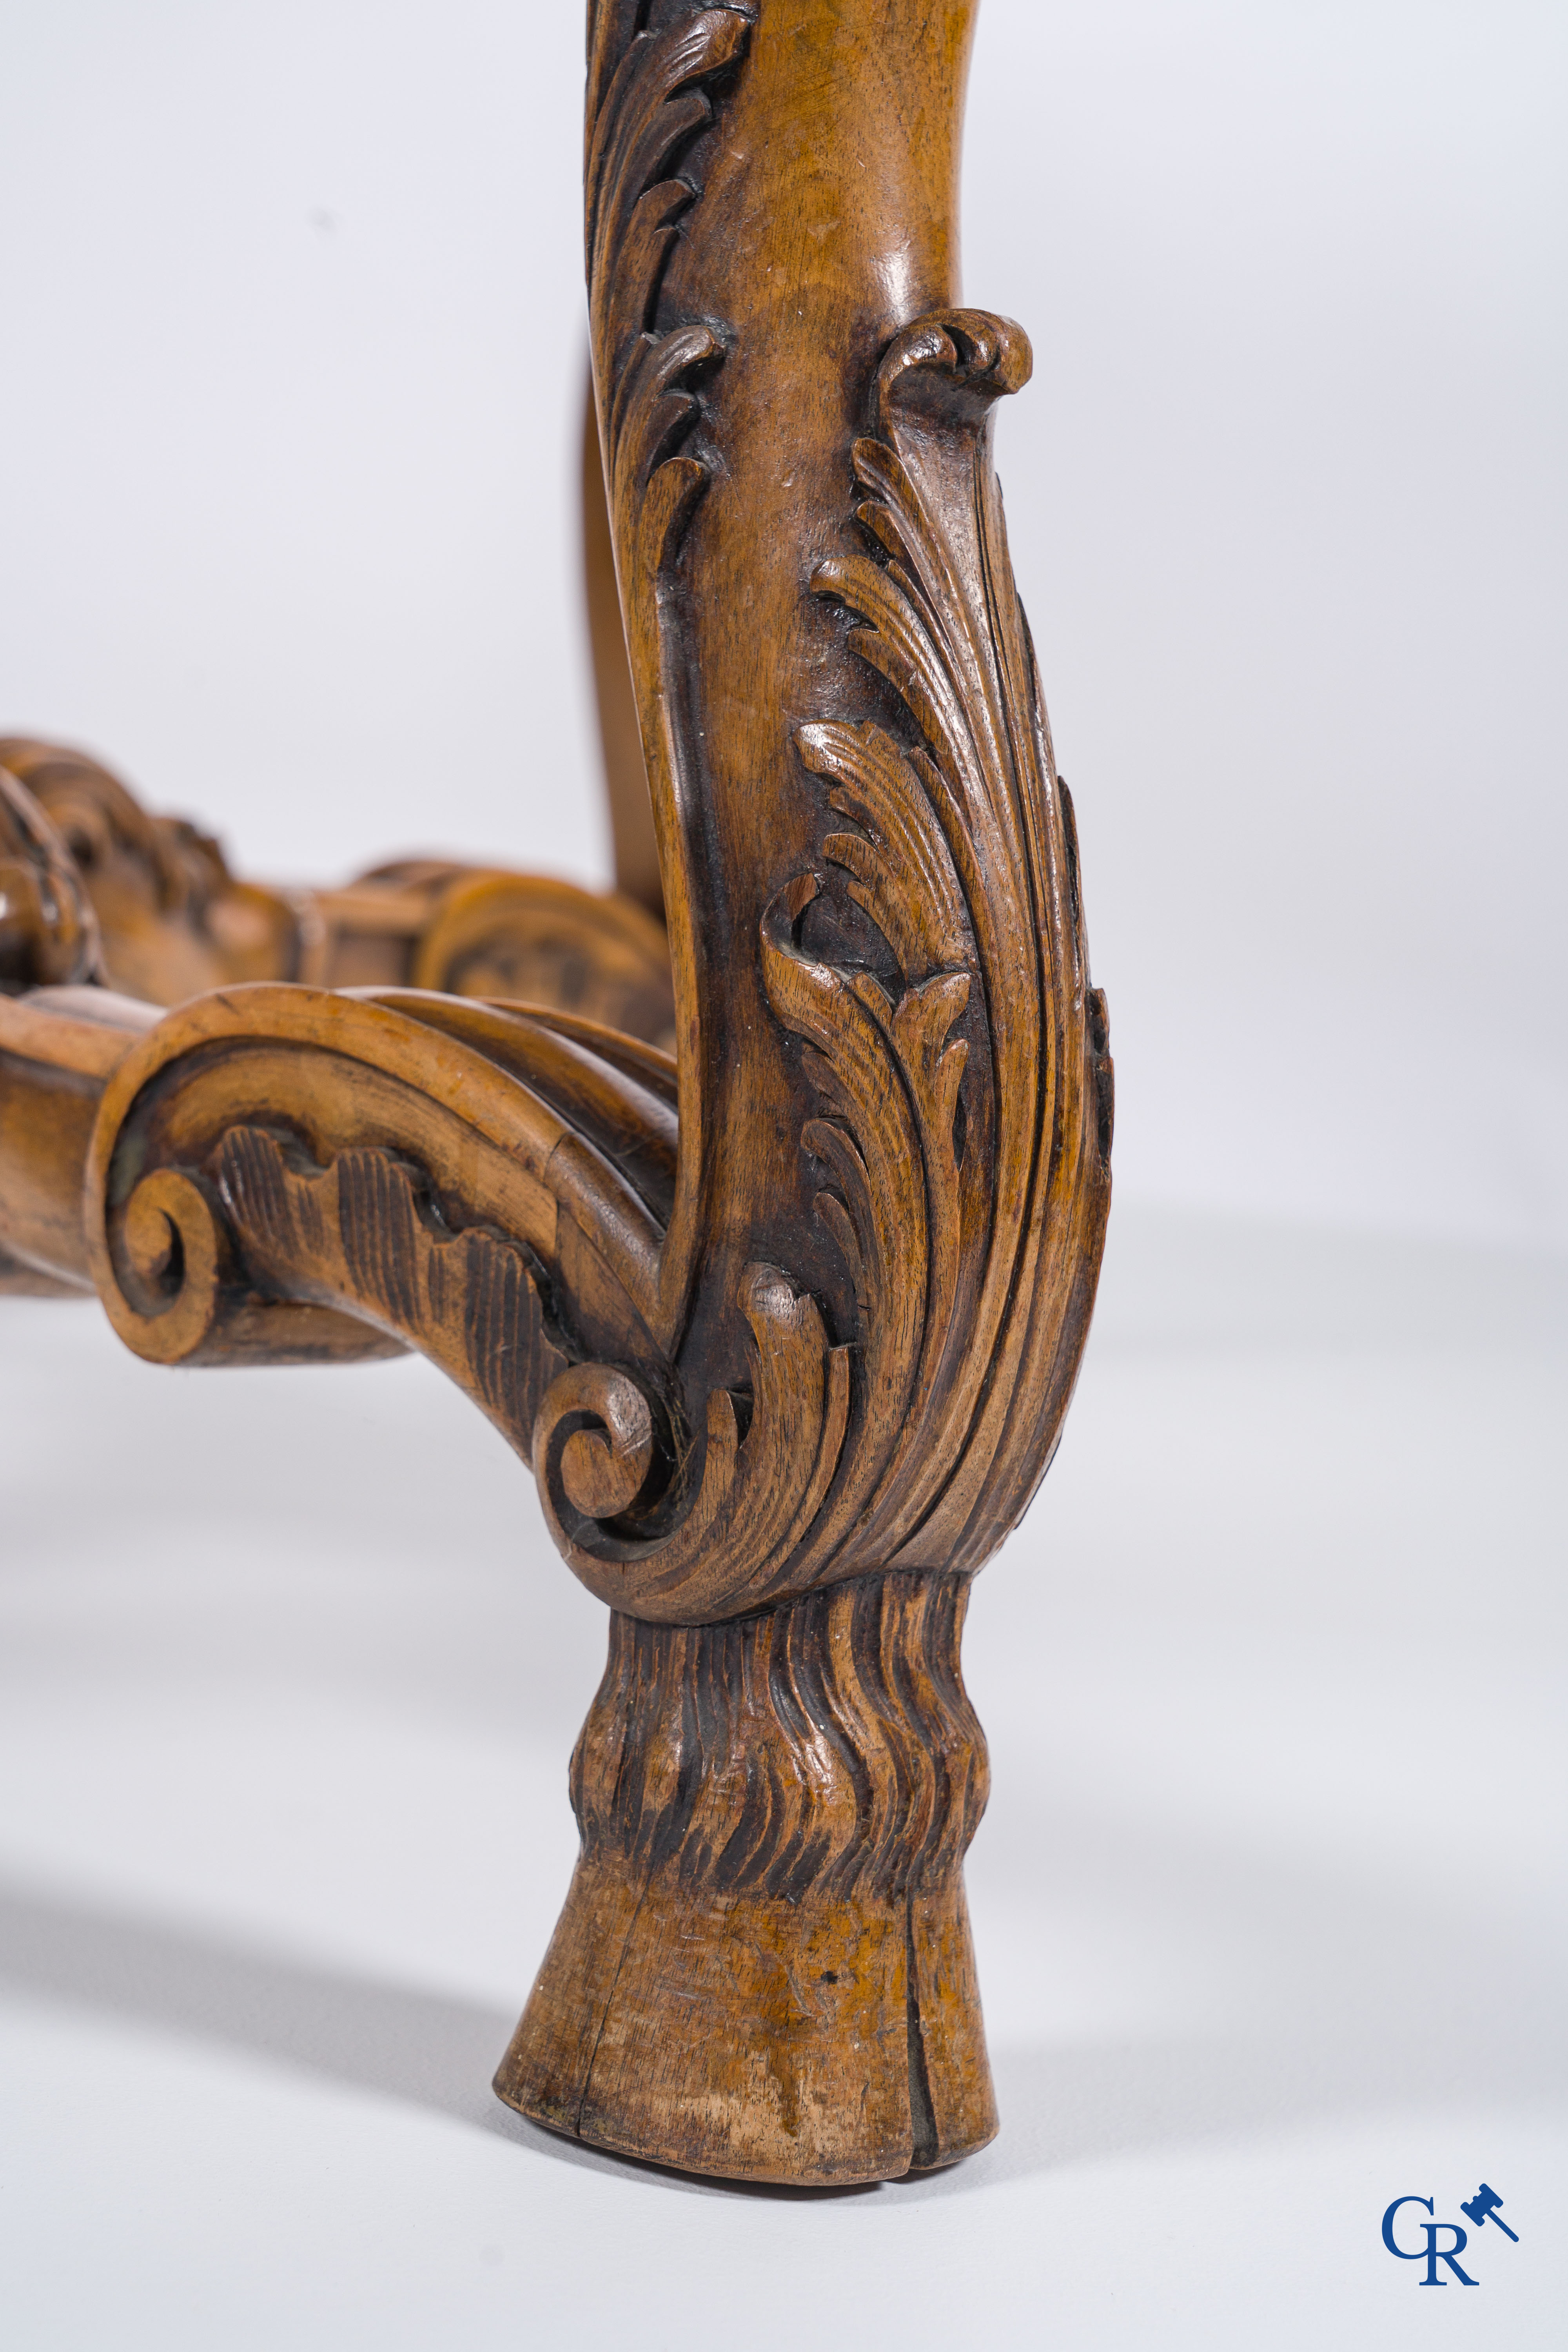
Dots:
pixel 620 737
pixel 783 1300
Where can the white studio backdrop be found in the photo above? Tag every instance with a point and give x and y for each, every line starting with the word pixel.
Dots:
pixel 295 347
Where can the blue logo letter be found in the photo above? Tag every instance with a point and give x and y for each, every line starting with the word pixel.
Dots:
pixel 1431 2254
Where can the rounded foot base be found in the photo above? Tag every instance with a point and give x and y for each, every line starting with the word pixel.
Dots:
pixel 763 1969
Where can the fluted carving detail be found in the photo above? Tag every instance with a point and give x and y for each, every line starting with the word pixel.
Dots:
pixel 827 1746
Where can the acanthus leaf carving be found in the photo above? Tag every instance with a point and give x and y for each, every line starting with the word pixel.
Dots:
pixel 964 857
pixel 650 93
pixel 965 1175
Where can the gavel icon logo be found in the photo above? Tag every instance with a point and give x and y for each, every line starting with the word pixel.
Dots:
pixel 1483 2207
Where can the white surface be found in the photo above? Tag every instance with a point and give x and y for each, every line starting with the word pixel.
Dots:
pixel 1270 1902
pixel 293 308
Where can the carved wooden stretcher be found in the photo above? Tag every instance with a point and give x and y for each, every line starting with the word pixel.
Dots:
pixel 779 1281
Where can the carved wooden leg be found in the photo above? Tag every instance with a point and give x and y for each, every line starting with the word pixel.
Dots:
pixel 785 1323
pixel 763 1967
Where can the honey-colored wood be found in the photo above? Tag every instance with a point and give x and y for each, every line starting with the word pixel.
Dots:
pixel 786 1320
pixel 171 920
pixel 620 734
pixel 48 926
